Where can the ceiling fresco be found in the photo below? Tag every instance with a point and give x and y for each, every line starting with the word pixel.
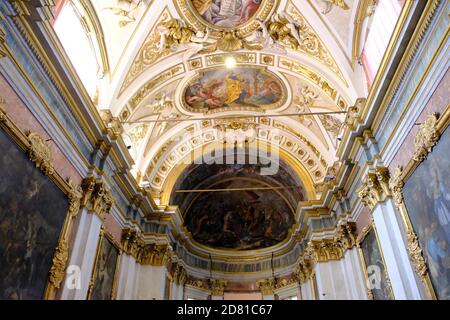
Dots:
pixel 239 87
pixel 174 93
pixel 256 214
pixel 226 13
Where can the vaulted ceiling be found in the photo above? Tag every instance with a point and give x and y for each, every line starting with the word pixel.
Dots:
pixel 181 74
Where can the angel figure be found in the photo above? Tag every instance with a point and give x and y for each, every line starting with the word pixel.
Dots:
pixel 305 101
pixel 174 36
pixel 126 9
pixel 284 28
pixel 262 36
pixel 330 3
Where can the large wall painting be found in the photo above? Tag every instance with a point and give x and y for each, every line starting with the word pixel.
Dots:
pixel 427 199
pixel 32 214
pixel 226 13
pixel 239 87
pixel 376 274
pixel 239 220
pixel 105 270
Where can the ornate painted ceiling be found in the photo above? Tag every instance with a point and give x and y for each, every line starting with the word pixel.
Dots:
pixel 181 74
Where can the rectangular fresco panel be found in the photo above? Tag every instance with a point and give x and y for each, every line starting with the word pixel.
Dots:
pixel 427 199
pixel 376 271
pixel 32 213
pixel 105 270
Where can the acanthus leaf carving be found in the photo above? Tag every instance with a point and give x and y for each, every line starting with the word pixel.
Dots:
pixel 416 255
pixel 396 185
pixel 57 271
pixel 40 152
pixel 426 137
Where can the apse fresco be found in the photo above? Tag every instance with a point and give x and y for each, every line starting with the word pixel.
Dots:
pixel 105 270
pixel 32 213
pixel 240 87
pixel 427 199
pixel 239 220
pixel 376 271
pixel 226 13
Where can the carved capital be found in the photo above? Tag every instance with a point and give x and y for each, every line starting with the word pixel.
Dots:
pixel 304 270
pixel 426 137
pixel 375 188
pixel 325 250
pixel 96 197
pixel 180 275
pixel 113 125
pixel 132 243
pixel 267 286
pixel 217 287
pixel 155 254
pixel 40 153
pixel 346 235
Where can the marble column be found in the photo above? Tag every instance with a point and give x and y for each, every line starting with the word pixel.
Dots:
pixel 127 275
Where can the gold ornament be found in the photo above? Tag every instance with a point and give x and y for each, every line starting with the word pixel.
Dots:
pixel 40 153
pixel 426 138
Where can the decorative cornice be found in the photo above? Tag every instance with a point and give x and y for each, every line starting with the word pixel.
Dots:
pixel 113 125
pixel 96 197
pixel 40 152
pixel 267 286
pixel 198 284
pixel 217 287
pixel 426 137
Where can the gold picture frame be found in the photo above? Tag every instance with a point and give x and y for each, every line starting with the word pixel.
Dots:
pixel 426 138
pixel 40 153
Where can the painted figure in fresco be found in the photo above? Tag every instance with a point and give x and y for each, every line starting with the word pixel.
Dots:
pixel 226 13
pixel 241 87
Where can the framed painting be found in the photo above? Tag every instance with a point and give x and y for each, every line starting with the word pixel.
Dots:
pixel 426 199
pixel 105 273
pixel 36 206
pixel 377 279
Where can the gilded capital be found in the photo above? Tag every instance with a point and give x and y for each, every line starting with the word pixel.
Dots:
pixel 179 275
pixel 96 197
pixel 375 188
pixel 154 254
pixel 217 287
pixel 132 242
pixel 267 286
pixel 304 270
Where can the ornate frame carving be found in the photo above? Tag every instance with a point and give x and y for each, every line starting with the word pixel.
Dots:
pixel 426 138
pixel 39 152
pixel 190 15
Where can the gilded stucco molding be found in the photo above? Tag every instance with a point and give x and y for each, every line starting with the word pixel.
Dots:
pixel 327 249
pixel 198 284
pixel 304 270
pixel 155 254
pixel 426 137
pixel 132 242
pixel 375 188
pixel 40 152
pixel 113 124
pixel 267 286
pixel 416 254
pixel 284 282
pixel 96 197
pixel 218 287
pixel 180 275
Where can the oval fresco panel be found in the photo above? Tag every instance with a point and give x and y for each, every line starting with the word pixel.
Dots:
pixel 226 13
pixel 238 87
